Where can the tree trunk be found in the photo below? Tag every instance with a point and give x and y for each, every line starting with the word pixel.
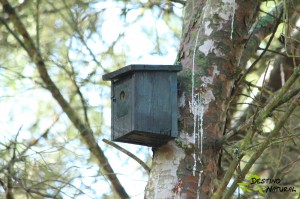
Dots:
pixel 213 40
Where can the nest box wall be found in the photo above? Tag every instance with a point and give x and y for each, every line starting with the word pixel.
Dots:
pixel 144 104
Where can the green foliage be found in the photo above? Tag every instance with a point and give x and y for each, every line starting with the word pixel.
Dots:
pixel 247 186
pixel 79 41
pixel 43 153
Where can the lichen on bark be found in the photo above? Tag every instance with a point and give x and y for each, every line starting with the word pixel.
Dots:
pixel 209 53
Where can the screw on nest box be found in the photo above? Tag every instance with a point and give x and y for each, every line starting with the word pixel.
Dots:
pixel 144 104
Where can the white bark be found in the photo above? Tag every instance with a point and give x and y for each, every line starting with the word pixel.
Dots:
pixel 163 177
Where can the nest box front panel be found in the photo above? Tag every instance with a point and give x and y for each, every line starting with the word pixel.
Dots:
pixel 121 107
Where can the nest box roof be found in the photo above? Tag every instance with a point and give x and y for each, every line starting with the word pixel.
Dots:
pixel 140 67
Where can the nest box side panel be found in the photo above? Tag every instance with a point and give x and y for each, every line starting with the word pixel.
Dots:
pixel 174 104
pixel 153 109
pixel 121 107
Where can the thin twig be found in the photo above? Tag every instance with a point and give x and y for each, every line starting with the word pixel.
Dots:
pixel 4 22
pixel 268 109
pixel 37 25
pixel 82 99
pixel 261 89
pixel 287 97
pixel 272 51
pixel 143 164
pixel 264 51
pixel 85 131
pixel 261 148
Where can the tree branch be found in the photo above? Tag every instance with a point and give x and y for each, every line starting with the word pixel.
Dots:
pixel 282 96
pixel 262 148
pixel 143 164
pixel 264 51
pixel 261 29
pixel 256 121
pixel 4 22
pixel 288 96
pixel 85 130
pixel 73 24
pixel 82 99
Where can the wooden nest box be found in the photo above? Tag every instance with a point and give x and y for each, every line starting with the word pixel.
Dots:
pixel 144 104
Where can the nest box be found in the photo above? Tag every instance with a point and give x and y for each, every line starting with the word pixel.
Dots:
pixel 144 104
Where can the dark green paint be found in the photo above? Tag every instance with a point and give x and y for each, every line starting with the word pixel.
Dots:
pixel 144 104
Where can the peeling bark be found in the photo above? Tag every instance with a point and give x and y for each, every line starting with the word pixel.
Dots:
pixel 213 39
pixel 163 177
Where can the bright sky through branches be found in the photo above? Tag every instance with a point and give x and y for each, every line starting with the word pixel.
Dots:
pixel 143 29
